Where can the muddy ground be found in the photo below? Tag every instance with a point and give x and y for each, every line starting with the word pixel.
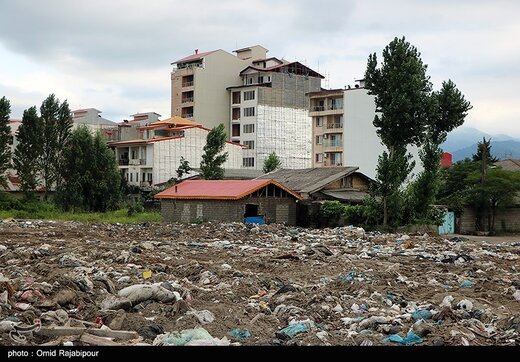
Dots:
pixel 342 285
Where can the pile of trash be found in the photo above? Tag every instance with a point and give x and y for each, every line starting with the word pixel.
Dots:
pixel 70 283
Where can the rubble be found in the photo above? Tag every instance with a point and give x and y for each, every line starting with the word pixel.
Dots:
pixel 70 283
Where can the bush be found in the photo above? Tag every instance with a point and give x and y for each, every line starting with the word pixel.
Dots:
pixel 332 209
pixel 135 208
pixel 7 202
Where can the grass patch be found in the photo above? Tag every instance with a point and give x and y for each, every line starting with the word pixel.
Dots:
pixel 111 217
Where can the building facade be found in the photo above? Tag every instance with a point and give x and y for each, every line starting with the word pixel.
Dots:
pixel 154 156
pixel 343 130
pixel 269 112
pixel 199 81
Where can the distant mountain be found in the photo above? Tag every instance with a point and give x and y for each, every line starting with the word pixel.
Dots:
pixel 463 137
pixel 499 149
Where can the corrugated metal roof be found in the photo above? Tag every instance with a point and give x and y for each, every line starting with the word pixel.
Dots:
pixel 217 189
pixel 509 164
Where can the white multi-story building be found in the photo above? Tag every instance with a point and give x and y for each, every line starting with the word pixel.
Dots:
pixel 91 118
pixel 344 132
pixel 269 112
pixel 155 156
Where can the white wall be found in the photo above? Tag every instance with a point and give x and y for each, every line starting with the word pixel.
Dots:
pixel 286 131
pixel 167 154
pixel 362 146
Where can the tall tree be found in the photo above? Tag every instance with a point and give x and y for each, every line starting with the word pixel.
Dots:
pixel 213 158
pixel 401 89
pixel 56 123
pixel 445 111
pixel 5 135
pixel 484 147
pixel 28 151
pixel 272 162
pixel 91 180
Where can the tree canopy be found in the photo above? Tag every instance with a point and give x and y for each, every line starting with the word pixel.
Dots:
pixel 213 158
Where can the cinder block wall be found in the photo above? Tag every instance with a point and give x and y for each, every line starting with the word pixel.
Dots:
pixel 275 210
pixel 508 218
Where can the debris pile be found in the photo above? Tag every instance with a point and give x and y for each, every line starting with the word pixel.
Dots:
pixel 70 283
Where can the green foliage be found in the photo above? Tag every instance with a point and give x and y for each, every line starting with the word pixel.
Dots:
pixel 184 168
pixel 5 135
pixel 56 120
pixel 331 209
pixel 213 158
pixel 135 208
pixel 272 162
pixel 484 147
pixel 91 180
pixel 28 151
pixel 7 202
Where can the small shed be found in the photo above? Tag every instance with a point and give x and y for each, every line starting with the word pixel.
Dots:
pixel 255 201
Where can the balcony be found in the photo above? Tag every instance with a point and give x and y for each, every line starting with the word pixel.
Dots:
pixel 333 128
pixel 187 115
pixel 187 100
pixel 137 161
pixel 123 162
pixel 187 84
pixel 332 146
pixel 325 110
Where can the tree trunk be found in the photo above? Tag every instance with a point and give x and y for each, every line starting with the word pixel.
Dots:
pixel 385 212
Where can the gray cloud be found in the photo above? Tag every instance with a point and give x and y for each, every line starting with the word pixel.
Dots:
pixel 122 49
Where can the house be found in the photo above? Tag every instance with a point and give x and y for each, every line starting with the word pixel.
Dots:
pixel 344 184
pixel 343 132
pixel 255 201
pixel 154 155
pixel 92 119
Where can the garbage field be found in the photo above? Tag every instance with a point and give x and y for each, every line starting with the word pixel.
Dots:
pixel 77 284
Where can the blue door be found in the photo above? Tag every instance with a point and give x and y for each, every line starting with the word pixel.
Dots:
pixel 448 224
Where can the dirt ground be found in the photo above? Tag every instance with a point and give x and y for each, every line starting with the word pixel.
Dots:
pixel 340 286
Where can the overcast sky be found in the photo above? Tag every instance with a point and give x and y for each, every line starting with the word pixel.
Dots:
pixel 115 55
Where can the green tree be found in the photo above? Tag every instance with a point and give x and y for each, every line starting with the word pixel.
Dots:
pixel 184 168
pixel 27 152
pixel 446 110
pixel 484 147
pixel 5 135
pixel 272 162
pixel 91 180
pixel 213 158
pixel 56 122
pixel 401 89
pixel 499 190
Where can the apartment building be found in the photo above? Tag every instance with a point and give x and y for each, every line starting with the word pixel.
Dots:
pixel 154 155
pixel 269 112
pixel 199 81
pixel 343 131
pixel 91 118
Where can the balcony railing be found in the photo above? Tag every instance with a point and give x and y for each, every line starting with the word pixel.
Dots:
pixel 138 161
pixel 187 84
pixel 334 125
pixel 187 115
pixel 332 143
pixel 187 100
pixel 326 108
pixel 123 162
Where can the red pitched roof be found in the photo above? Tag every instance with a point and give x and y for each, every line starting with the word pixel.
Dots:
pixel 197 56
pixel 218 189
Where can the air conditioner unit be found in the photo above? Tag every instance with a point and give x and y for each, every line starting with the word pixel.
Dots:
pixel 325 136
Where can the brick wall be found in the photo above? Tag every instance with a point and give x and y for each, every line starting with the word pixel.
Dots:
pixel 508 219
pixel 275 210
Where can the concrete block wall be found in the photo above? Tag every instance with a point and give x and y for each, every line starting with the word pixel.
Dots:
pixel 508 218
pixel 276 210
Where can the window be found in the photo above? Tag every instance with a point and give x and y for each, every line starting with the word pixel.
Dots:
pixel 236 97
pixel 249 112
pixel 319 157
pixel 144 176
pixel 319 121
pixel 249 81
pixel 249 128
pixel 319 140
pixel 260 79
pixel 126 177
pixel 250 144
pixel 248 162
pixel 249 95
pixel 269 78
pixel 131 177
pixel 137 177
pixel 150 178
